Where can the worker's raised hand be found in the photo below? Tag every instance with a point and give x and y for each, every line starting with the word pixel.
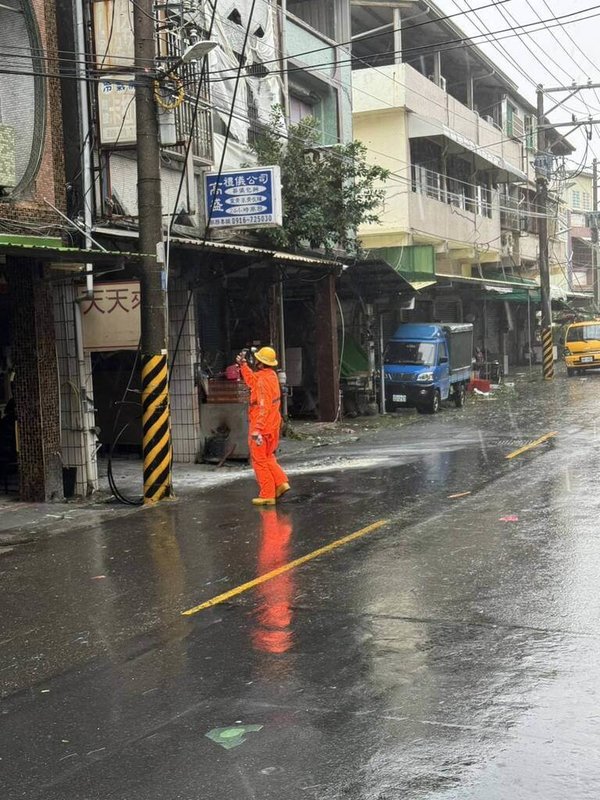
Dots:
pixel 240 358
pixel 258 438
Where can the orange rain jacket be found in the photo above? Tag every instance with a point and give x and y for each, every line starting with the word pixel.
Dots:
pixel 265 400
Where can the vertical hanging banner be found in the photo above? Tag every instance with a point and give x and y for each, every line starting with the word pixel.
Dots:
pixel 115 57
pixel 244 198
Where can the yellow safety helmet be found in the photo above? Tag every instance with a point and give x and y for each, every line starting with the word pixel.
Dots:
pixel 266 355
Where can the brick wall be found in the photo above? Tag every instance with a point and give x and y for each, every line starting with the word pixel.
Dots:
pixel 28 206
pixel 35 388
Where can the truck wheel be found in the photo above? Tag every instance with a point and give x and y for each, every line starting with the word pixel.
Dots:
pixel 434 404
pixel 460 395
pixel 571 372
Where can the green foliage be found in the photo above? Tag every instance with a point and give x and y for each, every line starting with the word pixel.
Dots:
pixel 327 192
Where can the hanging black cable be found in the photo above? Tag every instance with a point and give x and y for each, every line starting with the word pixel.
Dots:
pixel 137 501
pixel 242 60
pixel 120 497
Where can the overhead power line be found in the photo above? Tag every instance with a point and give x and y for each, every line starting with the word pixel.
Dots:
pixel 446 45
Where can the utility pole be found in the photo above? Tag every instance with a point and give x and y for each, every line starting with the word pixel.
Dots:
pixel 541 179
pixel 594 226
pixel 157 448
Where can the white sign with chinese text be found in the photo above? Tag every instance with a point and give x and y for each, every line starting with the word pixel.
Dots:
pixel 116 110
pixel 244 198
pixel 111 321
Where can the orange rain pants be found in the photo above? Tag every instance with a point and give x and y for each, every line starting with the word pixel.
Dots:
pixel 264 418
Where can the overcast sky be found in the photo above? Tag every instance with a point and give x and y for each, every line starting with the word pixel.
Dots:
pixel 569 51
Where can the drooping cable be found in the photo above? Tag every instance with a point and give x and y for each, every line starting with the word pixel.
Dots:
pixel 242 58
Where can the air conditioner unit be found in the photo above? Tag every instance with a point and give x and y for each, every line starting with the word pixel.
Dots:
pixel 490 119
pixel 7 157
pixel 507 244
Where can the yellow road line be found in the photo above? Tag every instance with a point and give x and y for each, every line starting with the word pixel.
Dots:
pixel 298 562
pixel 531 445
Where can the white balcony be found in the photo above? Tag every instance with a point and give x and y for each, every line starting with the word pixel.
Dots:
pixel 432 112
pixel 428 207
pixel 442 208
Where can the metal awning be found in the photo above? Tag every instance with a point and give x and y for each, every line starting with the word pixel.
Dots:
pixel 420 127
pixel 376 279
pixel 244 250
pixel 414 264
pixel 515 291
pixel 395 270
pixel 419 285
pixel 184 243
pixel 52 251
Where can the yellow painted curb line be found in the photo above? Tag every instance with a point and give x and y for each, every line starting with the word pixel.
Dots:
pixel 298 562
pixel 531 445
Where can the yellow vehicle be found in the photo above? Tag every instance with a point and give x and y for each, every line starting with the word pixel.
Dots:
pixel 582 346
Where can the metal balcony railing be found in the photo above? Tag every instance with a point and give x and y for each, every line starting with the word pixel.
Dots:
pixel 510 213
pixel 473 198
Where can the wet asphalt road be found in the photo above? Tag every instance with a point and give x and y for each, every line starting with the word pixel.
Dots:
pixel 447 655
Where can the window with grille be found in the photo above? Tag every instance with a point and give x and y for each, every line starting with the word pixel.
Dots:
pixel 190 121
pixel 322 16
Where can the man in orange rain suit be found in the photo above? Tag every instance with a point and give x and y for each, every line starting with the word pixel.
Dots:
pixel 264 417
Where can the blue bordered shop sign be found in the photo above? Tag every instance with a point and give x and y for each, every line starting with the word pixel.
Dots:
pixel 246 198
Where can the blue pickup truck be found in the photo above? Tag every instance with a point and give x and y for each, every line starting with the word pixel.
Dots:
pixel 426 363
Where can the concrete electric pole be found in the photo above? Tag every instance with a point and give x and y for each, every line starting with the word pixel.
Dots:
pixel 542 193
pixel 157 448
pixel 543 170
pixel 594 226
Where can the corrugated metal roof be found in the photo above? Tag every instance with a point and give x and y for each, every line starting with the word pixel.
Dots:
pixel 226 247
pixel 66 254
pixel 521 284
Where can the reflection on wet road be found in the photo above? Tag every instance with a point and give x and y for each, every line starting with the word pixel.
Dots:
pixel 451 654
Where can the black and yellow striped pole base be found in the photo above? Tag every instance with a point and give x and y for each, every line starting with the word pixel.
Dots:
pixel 547 354
pixel 157 447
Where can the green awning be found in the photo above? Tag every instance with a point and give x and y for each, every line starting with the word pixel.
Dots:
pixel 514 290
pixel 416 264
pixel 51 249
pixel 515 295
pixel 518 290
